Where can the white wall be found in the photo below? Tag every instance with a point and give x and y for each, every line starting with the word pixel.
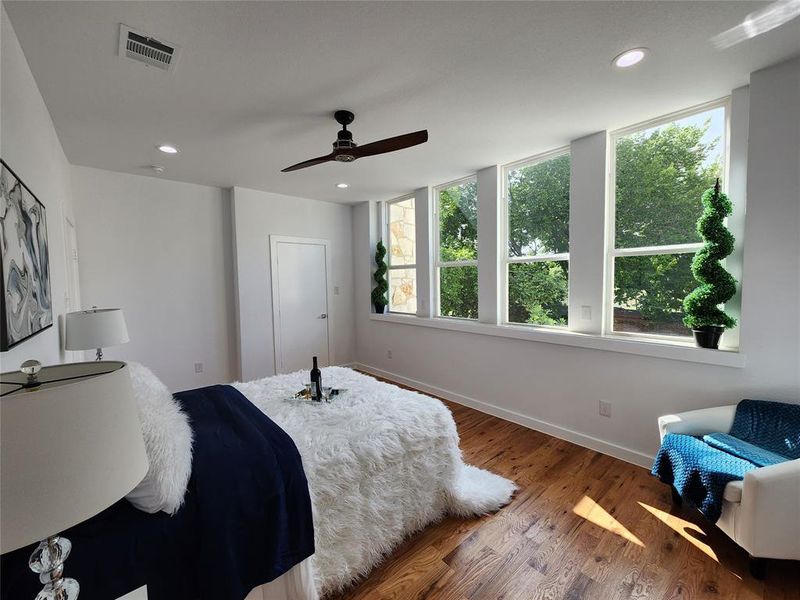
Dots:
pixel 30 146
pixel 256 216
pixel 557 388
pixel 162 251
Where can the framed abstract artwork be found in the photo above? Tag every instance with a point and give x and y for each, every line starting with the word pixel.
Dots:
pixel 26 308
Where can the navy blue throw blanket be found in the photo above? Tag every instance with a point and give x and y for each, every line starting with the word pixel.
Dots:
pixel 763 433
pixel 246 519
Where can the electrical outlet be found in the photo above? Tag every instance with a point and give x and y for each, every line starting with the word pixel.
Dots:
pixel 336 290
pixel 586 312
pixel 198 367
pixel 388 354
pixel 605 409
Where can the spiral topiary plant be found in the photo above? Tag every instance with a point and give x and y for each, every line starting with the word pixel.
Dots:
pixel 381 287
pixel 717 286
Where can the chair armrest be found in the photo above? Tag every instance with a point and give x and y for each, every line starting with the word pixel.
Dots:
pixel 768 523
pixel 698 422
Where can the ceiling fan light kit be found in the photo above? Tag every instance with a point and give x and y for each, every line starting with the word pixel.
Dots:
pixel 346 150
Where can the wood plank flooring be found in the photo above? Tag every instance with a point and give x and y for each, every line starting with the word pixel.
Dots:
pixel 583 526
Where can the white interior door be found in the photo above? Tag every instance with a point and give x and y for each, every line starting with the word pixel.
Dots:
pixel 300 281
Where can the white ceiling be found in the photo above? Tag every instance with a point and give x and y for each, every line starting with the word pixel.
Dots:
pixel 255 87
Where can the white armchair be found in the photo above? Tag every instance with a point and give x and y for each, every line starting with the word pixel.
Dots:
pixel 761 513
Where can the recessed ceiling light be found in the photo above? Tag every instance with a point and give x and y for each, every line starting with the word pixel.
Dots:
pixel 629 58
pixel 342 186
pixel 158 169
pixel 167 149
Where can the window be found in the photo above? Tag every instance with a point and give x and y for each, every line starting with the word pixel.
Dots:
pixel 456 262
pixel 659 172
pixel 537 250
pixel 402 252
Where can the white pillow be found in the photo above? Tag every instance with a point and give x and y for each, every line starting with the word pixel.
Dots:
pixel 167 440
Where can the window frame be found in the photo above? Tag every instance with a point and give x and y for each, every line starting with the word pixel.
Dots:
pixel 507 260
pixel 387 234
pixel 437 262
pixel 612 252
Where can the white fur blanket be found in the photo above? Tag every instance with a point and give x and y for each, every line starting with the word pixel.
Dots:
pixel 381 463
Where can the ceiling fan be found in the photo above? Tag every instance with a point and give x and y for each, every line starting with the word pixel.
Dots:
pixel 346 150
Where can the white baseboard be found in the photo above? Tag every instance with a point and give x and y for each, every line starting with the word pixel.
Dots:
pixel 587 441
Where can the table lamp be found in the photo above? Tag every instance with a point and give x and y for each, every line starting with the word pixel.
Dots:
pixel 96 328
pixel 70 446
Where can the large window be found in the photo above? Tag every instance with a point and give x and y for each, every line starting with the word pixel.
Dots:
pixel 537 251
pixel 659 172
pixel 402 233
pixel 456 262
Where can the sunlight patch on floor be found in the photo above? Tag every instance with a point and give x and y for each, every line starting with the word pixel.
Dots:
pixel 682 527
pixel 594 513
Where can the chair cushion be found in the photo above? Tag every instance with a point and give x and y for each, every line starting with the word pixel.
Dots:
pixel 733 445
pixel 733 491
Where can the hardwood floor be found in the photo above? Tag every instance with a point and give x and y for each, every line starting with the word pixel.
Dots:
pixel 583 526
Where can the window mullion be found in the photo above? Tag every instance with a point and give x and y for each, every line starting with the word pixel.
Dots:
pixel 537 258
pixel 655 250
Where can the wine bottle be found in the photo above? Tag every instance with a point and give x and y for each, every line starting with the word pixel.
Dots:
pixel 316 382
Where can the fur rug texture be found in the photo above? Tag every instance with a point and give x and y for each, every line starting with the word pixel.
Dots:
pixel 382 463
pixel 167 440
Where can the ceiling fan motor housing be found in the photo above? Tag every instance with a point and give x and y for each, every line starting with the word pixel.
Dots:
pixel 344 139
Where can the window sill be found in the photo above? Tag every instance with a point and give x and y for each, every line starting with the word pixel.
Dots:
pixel 678 350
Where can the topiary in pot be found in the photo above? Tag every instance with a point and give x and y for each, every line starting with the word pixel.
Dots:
pixel 381 287
pixel 702 306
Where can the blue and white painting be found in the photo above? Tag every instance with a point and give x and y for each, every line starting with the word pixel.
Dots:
pixel 27 307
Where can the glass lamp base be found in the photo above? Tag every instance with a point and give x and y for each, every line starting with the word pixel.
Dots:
pixel 48 562
pixel 49 555
pixel 65 589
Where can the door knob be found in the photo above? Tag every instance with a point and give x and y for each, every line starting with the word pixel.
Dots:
pixel 323 316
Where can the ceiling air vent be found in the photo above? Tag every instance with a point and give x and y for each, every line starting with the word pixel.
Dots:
pixel 149 50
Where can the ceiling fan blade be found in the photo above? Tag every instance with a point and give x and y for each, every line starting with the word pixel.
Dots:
pixel 391 144
pixel 310 163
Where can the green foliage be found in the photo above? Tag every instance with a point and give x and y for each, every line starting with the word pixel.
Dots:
pixel 458 292
pixel 458 222
pixel 717 286
pixel 655 286
pixel 660 176
pixel 381 287
pixel 538 292
pixel 538 208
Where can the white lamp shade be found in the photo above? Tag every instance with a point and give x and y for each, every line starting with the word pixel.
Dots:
pixel 96 328
pixel 68 450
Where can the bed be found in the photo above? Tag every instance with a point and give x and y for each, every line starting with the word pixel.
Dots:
pixel 380 462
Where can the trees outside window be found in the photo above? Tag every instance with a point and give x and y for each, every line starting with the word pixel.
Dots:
pixel 457 254
pixel 661 173
pixel 537 211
